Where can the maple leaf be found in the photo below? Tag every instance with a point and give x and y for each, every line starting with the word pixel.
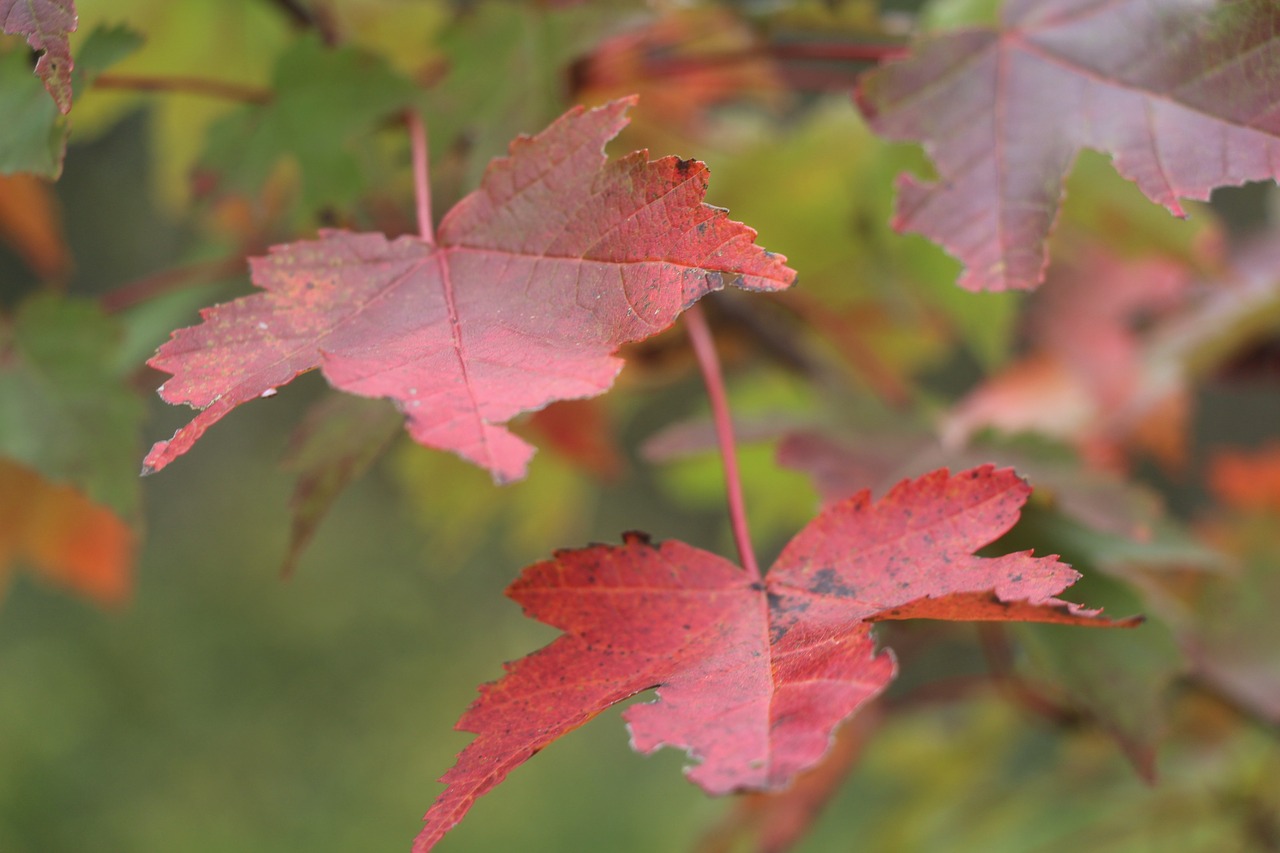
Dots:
pixel 46 24
pixel 1178 93
pixel 534 281
pixel 752 677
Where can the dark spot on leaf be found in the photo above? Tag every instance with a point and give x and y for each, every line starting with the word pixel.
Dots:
pixel 683 166
pixel 827 582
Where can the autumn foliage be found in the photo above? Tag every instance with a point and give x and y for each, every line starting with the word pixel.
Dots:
pixel 952 448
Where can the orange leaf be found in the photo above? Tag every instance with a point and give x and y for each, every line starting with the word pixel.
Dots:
pixel 63 536
pixel 1247 480
pixel 31 224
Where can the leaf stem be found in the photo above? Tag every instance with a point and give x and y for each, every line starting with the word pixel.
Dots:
pixel 421 180
pixel 848 53
pixel 704 347
pixel 185 85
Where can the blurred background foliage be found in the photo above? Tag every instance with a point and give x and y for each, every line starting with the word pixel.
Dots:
pixel 190 699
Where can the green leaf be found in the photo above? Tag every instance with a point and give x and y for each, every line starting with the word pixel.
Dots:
pixel 1232 632
pixel 328 103
pixel 65 409
pixel 340 438
pixel 834 221
pixel 33 134
pixel 230 41
pixel 33 137
pixel 1164 545
pixel 1122 681
pixel 952 14
pixel 505 72
pixel 1111 210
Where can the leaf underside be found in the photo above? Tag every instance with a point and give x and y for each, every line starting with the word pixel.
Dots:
pixel 1181 93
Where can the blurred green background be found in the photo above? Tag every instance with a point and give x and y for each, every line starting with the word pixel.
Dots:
pixel 227 709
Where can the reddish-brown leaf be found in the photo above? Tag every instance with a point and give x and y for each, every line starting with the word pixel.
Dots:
pixel 752 677
pixel 534 281
pixel 46 24
pixel 1181 94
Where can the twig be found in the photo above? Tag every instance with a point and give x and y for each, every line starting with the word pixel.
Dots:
pixel 177 278
pixel 185 86
pixel 704 347
pixel 849 53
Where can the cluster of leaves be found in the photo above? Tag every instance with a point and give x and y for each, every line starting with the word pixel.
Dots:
pixel 495 332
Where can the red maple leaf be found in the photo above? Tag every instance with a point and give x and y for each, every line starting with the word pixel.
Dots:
pixel 1182 97
pixel 752 677
pixel 46 24
pixel 533 283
